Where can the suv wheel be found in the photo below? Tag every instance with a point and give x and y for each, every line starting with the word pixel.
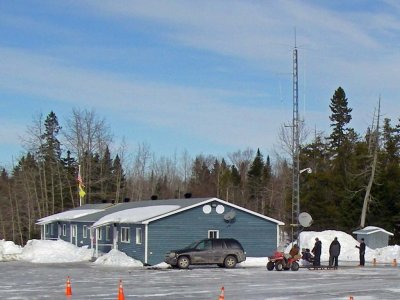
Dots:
pixel 230 261
pixel 183 262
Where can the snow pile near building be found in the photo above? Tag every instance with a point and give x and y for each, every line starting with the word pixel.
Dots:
pixel 118 258
pixel 383 255
pixel 38 251
pixel 9 251
pixel 348 243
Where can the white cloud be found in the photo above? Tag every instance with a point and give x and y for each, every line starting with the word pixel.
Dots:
pixel 353 49
pixel 204 113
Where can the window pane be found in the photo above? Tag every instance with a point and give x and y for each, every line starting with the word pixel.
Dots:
pixel 138 235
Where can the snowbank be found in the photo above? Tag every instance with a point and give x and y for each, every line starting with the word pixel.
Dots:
pixel 9 251
pixel 38 251
pixel 118 258
pixel 348 243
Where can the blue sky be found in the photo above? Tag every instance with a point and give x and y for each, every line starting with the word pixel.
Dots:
pixel 209 77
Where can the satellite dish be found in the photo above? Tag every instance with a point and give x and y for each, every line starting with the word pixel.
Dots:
pixel 230 216
pixel 305 219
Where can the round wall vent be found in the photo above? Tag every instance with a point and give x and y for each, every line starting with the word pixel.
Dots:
pixel 206 209
pixel 220 209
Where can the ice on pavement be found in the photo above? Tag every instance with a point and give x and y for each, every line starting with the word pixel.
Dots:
pixel 46 251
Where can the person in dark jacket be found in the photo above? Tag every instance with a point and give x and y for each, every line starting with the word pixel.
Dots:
pixel 362 252
pixel 334 252
pixel 307 257
pixel 317 252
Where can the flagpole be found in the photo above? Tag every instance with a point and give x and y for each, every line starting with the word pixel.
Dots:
pixel 79 176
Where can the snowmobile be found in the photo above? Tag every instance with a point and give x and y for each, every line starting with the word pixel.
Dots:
pixel 279 262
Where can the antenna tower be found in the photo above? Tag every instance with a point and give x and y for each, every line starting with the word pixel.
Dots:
pixel 295 150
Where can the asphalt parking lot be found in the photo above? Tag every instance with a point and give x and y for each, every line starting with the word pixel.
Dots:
pixel 21 280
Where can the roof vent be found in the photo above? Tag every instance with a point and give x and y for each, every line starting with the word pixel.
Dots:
pixel 188 195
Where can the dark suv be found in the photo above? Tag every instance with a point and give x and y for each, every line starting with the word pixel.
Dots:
pixel 223 252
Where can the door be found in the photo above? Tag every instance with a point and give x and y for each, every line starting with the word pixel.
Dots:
pixel 218 251
pixel 74 237
pixel 202 252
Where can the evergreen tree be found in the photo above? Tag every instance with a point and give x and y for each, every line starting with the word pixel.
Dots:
pixel 51 164
pixel 118 179
pixel 255 181
pixel 340 117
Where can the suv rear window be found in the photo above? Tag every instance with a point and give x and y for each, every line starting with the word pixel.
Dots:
pixel 233 244
pixel 218 244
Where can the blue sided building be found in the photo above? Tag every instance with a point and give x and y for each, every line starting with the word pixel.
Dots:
pixel 147 230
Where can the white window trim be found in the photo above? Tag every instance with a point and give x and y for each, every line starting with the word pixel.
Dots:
pixel 99 234
pixel 216 232
pixel 108 228
pixel 139 237
pixel 74 230
pixel 125 231
pixel 64 229
pixel 84 231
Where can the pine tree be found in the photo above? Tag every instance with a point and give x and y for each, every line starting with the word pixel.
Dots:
pixel 255 181
pixel 51 164
pixel 340 117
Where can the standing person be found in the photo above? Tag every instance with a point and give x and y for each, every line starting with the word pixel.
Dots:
pixel 317 252
pixel 334 252
pixel 362 252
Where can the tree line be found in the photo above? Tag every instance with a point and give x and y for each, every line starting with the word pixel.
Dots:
pixel 349 171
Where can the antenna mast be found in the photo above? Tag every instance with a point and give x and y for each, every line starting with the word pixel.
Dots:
pixel 295 150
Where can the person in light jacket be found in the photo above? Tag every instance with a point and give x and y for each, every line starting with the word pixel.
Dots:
pixel 334 252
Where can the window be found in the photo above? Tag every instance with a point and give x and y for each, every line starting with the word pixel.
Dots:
pixel 107 233
pixel 125 235
pixel 204 245
pixel 52 229
pixel 64 230
pixel 213 234
pixel 84 231
pixel 138 236
pixel 74 229
pixel 218 244
pixel 46 228
pixel 99 234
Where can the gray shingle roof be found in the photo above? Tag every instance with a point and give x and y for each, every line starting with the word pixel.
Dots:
pixel 146 203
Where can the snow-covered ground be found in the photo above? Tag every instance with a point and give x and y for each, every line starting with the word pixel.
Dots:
pixel 39 271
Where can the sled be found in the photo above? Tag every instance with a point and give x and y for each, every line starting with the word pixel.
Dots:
pixel 322 267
